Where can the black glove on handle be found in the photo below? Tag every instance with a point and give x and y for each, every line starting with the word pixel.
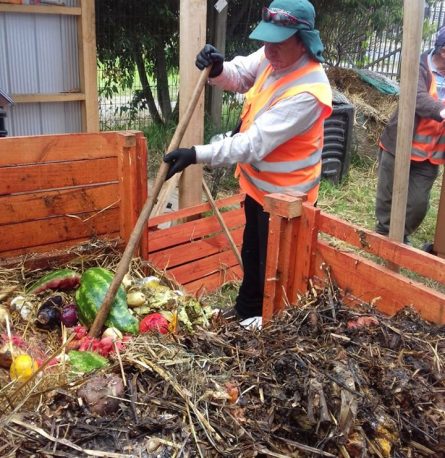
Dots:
pixel 179 159
pixel 209 55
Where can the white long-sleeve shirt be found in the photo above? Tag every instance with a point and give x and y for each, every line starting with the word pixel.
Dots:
pixel 286 119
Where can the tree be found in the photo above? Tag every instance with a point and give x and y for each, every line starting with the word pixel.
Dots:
pixel 141 36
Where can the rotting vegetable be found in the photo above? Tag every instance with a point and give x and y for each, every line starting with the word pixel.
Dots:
pixel 49 314
pixel 62 279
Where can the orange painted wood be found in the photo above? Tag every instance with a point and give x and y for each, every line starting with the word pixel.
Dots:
pixel 25 178
pixel 218 262
pixel 49 148
pixel 57 254
pixel 274 245
pixel 370 282
pixel 142 186
pixel 284 205
pixel 57 229
pixel 194 250
pixel 305 249
pixel 214 281
pixel 403 255
pixel 195 210
pixel 37 206
pixel 193 230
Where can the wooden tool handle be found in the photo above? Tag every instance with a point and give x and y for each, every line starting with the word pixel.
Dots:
pixel 124 263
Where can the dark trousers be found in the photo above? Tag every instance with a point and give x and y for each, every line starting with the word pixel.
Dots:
pixel 249 302
pixel 421 179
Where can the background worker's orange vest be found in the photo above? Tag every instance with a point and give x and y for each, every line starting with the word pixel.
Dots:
pixel 429 139
pixel 296 164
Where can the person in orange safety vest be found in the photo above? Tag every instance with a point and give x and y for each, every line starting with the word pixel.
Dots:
pixel 279 142
pixel 427 150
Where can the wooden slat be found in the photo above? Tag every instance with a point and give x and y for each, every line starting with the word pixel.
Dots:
pixel 48 148
pixel 41 9
pixel 193 251
pixel 207 266
pixel 88 66
pixel 49 98
pixel 142 186
pixel 195 210
pixel 59 254
pixel 404 256
pixel 193 230
pixel 36 206
pixel 53 253
pixel 52 230
pixel 212 282
pixel 307 238
pixel 38 177
pixel 369 282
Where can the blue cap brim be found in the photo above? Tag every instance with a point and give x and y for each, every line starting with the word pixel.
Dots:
pixel 272 33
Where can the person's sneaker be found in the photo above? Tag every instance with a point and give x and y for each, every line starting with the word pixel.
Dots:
pixel 255 322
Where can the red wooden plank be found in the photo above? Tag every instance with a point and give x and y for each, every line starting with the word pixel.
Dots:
pixel 193 271
pixel 369 282
pixel 195 210
pixel 307 238
pixel 213 282
pixel 38 177
pixel 193 251
pixel 397 253
pixel 58 229
pixel 192 230
pixel 48 148
pixel 57 254
pixel 27 207
pixel 272 274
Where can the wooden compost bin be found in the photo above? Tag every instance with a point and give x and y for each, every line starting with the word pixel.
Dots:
pixel 59 192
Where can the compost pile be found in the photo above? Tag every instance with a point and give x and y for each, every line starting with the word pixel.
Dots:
pixel 372 107
pixel 320 380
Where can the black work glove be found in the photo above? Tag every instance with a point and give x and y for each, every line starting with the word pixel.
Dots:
pixel 179 159
pixel 209 55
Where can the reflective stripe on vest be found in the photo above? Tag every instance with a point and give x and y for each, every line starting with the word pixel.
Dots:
pixel 296 164
pixel 428 140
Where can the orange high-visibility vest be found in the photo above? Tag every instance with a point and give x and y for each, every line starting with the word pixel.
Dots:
pixel 296 164
pixel 429 139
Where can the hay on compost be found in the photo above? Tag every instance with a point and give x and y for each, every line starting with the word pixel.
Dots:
pixel 310 383
pixel 372 107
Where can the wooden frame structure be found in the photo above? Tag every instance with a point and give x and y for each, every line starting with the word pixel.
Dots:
pixel 62 193
pixel 86 27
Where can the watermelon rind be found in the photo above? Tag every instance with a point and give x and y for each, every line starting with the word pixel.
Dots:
pixel 54 278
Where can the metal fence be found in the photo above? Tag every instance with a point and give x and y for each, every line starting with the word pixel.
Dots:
pixel 382 56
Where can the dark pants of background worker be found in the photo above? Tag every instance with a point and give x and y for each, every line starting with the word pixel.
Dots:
pixel 421 179
pixel 249 302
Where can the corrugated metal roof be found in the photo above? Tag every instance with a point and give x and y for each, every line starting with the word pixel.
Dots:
pixel 39 54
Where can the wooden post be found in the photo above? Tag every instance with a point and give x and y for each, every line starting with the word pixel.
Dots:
pixel 192 28
pixel 439 239
pixel 412 38
pixel 285 211
pixel 216 94
pixel 88 66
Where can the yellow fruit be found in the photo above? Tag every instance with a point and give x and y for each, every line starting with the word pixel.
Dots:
pixel 22 368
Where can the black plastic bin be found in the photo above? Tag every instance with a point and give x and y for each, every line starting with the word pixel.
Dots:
pixel 336 155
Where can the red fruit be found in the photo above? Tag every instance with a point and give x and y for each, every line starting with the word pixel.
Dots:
pixel 155 322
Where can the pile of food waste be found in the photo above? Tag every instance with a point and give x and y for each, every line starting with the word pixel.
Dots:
pixel 170 377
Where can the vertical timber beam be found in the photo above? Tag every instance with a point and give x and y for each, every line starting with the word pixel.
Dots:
pixel 285 211
pixel 88 66
pixel 439 239
pixel 413 13
pixel 192 28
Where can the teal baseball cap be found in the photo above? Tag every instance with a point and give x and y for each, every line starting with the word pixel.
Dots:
pixel 282 19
